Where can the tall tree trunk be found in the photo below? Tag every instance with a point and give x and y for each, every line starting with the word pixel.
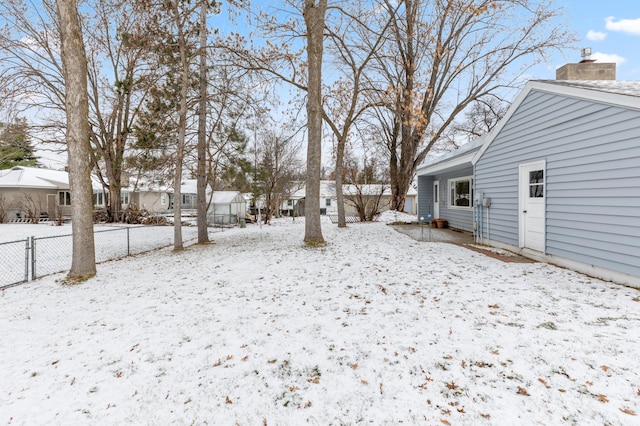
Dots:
pixel 203 235
pixel 342 220
pixel 182 132
pixel 314 16
pixel 83 260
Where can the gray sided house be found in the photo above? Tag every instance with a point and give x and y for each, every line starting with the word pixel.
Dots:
pixel 445 187
pixel 560 177
pixel 557 180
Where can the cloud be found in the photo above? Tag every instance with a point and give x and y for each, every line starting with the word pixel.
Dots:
pixel 629 26
pixel 595 35
pixel 608 57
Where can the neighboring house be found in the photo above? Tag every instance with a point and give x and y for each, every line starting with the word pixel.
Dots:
pixel 30 189
pixel 188 195
pixel 558 179
pixel 376 193
pixel 329 203
pixel 148 196
pixel 328 200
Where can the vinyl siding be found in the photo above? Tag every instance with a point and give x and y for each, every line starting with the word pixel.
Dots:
pixel 425 196
pixel 592 154
pixel 459 218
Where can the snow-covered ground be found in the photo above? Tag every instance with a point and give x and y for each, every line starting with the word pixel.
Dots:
pixel 373 328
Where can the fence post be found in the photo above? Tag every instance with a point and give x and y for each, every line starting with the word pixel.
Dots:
pixel 33 258
pixel 26 259
pixel 128 250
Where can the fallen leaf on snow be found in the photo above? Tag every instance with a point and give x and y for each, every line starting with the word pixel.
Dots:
pixel 444 422
pixel 228 400
pixel 602 398
pixel 522 391
pixel 452 385
pixel 604 368
pixel 628 411
pixel 541 380
pixel 496 306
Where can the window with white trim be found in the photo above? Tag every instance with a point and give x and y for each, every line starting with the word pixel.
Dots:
pixel 64 198
pixel 124 198
pixel 461 193
pixel 99 199
pixel 328 202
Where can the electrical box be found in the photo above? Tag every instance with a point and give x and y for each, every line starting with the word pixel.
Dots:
pixel 486 202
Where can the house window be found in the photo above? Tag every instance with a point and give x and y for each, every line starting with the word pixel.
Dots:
pixel 163 199
pixel 64 198
pixel 124 198
pixel 99 199
pixel 461 193
pixel 328 202
pixel 536 184
pixel 290 203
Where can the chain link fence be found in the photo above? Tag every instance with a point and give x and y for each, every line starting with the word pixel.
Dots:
pixel 36 257
pixel 14 262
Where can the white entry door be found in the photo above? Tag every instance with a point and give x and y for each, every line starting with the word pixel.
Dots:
pixel 532 206
pixel 436 199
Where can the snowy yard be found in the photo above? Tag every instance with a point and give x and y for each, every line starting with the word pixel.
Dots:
pixel 374 328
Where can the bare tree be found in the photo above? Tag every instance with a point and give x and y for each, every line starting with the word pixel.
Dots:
pixel 118 74
pixel 441 56
pixel 117 40
pixel 366 184
pixel 201 176
pixel 5 206
pixel 30 206
pixel 314 15
pixel 278 170
pixel 355 40
pixel 479 119
pixel 83 263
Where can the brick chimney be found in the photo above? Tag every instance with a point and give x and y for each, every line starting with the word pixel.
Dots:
pixel 587 69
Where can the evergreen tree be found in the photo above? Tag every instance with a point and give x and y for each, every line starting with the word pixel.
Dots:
pixel 15 146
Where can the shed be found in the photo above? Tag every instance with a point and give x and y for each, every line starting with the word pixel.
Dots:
pixel 560 176
pixel 226 208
